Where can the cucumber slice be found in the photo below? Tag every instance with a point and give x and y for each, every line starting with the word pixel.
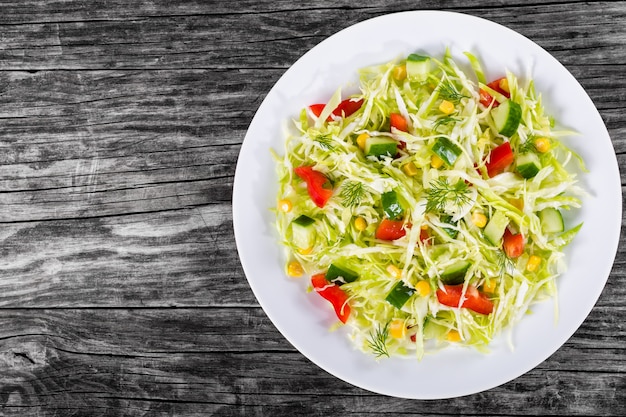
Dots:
pixel 380 146
pixel 391 205
pixel 496 227
pixel 445 149
pixel 551 220
pixel 507 117
pixel 450 231
pixel 303 232
pixel 455 273
pixel 417 67
pixel 335 271
pixel 527 164
pixel 399 295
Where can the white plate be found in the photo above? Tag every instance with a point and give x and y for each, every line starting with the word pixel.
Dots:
pixel 300 316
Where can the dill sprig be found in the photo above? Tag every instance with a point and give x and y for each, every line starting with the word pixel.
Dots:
pixel 352 193
pixel 446 120
pixel 505 264
pixel 442 192
pixel 378 341
pixel 325 141
pixel 448 91
pixel 528 146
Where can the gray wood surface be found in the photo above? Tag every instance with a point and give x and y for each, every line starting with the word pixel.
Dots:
pixel 121 292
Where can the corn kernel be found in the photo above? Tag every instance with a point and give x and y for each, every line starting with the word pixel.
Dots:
pixel 397 329
pixel 285 206
pixel 409 169
pixel 436 162
pixel 453 336
pixel 361 139
pixel 360 224
pixel 294 269
pixel 399 72
pixel 424 226
pixel 533 263
pixel 446 107
pixel 489 286
pixel 542 144
pixel 394 271
pixel 423 288
pixel 518 203
pixel 305 251
pixel 479 219
pixel 504 84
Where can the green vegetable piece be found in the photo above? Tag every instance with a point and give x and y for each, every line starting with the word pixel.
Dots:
pixel 417 67
pixel 450 231
pixel 496 227
pixel 527 164
pixel 335 271
pixel 455 273
pixel 445 149
pixel 551 220
pixel 304 220
pixel 380 146
pixel 391 205
pixel 399 295
pixel 507 117
pixel 303 232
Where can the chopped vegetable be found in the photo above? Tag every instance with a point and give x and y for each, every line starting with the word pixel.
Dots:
pixel 335 295
pixel 500 159
pixel 472 298
pixel 319 187
pixel 390 229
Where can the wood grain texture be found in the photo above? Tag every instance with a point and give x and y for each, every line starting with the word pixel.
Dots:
pixel 121 293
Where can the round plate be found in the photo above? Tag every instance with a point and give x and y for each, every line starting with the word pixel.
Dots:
pixel 304 318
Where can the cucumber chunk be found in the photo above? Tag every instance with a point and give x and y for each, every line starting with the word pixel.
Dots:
pixel 527 164
pixel 445 149
pixel 495 228
pixel 455 273
pixel 417 67
pixel 391 206
pixel 380 146
pixel 303 232
pixel 507 117
pixel 399 295
pixel 335 271
pixel 551 220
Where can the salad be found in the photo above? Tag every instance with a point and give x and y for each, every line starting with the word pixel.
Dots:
pixel 427 208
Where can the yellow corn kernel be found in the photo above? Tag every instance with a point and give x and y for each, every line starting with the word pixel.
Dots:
pixel 436 162
pixel 423 288
pixel 533 263
pixel 453 336
pixel 489 286
pixel 361 139
pixel 285 206
pixel 306 251
pixel 518 203
pixel 424 226
pixel 397 329
pixel 409 169
pixel 294 269
pixel 542 144
pixel 479 219
pixel 504 84
pixel 446 107
pixel 360 224
pixel 399 72
pixel 394 271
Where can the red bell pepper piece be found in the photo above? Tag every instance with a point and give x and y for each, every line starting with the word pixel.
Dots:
pixel 499 159
pixel 513 245
pixel 346 108
pixel 334 294
pixel 319 187
pixel 495 85
pixel 390 229
pixel 474 300
pixel 396 120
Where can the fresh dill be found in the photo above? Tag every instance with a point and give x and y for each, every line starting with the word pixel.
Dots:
pixel 442 192
pixel 505 264
pixel 378 341
pixel 325 141
pixel 446 120
pixel 448 91
pixel 527 146
pixel 352 193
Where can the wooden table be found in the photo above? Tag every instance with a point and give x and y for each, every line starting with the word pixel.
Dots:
pixel 121 292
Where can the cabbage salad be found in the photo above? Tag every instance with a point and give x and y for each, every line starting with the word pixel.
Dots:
pixel 427 208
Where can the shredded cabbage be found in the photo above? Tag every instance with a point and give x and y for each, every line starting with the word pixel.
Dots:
pixel 329 144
